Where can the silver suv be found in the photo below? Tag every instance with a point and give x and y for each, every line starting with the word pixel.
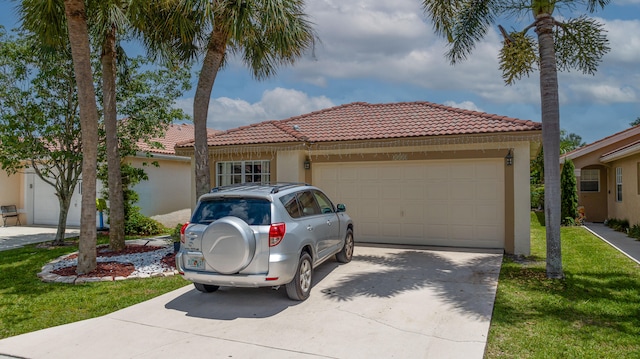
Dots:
pixel 254 235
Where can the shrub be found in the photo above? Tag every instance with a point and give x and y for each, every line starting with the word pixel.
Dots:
pixel 138 224
pixel 634 231
pixel 568 192
pixel 569 221
pixel 537 196
pixel 620 225
pixel 175 233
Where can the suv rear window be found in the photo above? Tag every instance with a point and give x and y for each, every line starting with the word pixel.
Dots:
pixel 254 211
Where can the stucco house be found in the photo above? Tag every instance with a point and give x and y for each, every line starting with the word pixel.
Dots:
pixel 608 172
pixel 167 189
pixel 409 173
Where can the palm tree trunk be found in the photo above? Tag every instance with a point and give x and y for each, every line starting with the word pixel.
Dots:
pixel 550 142
pixel 116 197
pixel 210 66
pixel 80 52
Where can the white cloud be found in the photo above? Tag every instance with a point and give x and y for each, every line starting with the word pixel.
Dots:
pixel 277 104
pixel 465 105
pixel 605 93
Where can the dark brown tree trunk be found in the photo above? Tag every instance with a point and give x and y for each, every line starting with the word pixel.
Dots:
pixel 550 142
pixel 116 197
pixel 213 59
pixel 80 51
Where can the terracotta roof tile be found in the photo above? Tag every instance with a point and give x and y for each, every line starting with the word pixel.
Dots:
pixel 176 133
pixel 364 121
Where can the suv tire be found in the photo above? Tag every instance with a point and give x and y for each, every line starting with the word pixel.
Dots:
pixel 345 255
pixel 206 288
pixel 300 287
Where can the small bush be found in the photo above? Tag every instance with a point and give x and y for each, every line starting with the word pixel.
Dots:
pixel 537 196
pixel 569 221
pixel 138 224
pixel 175 233
pixel 620 225
pixel 634 232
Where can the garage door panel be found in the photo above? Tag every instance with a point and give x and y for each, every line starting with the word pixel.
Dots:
pixel 438 202
pixel 462 191
pixel 487 190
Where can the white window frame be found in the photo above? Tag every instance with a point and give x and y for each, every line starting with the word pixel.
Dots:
pixel 589 175
pixel 234 172
pixel 618 184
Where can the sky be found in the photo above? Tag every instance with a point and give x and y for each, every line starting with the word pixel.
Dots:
pixel 381 51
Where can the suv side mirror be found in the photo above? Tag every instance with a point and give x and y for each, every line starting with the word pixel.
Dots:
pixel 341 207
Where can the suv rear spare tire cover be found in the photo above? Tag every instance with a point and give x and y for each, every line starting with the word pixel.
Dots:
pixel 228 245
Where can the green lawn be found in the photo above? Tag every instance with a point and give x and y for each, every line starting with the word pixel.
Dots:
pixel 593 313
pixel 27 304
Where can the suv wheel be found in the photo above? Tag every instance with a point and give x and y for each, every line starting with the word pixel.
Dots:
pixel 345 255
pixel 206 288
pixel 300 287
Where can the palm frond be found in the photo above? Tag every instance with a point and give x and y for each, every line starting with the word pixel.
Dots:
pixel 580 44
pixel 518 56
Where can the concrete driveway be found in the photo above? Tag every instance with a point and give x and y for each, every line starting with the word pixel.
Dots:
pixel 389 302
pixel 18 236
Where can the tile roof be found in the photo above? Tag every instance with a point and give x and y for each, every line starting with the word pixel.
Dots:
pixel 364 121
pixel 175 133
pixel 603 142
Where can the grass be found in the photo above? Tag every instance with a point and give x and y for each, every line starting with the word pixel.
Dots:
pixel 593 313
pixel 27 304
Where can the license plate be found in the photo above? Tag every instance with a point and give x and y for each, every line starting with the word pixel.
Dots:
pixel 195 262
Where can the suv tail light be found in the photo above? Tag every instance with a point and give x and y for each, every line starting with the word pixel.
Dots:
pixel 182 229
pixel 276 233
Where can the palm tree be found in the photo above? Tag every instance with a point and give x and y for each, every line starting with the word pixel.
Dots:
pixel 266 33
pixel 110 19
pixel 575 43
pixel 81 54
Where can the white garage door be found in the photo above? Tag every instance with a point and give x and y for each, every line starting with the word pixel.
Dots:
pixel 46 207
pixel 446 203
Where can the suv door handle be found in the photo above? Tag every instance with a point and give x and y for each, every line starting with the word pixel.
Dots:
pixel 329 223
pixel 309 228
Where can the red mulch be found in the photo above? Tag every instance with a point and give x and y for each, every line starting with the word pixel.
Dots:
pixel 115 269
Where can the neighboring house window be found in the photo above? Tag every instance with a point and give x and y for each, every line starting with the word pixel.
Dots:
pixel 590 180
pixel 619 184
pixel 243 171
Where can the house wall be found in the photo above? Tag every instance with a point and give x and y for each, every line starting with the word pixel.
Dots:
pixel 629 207
pixel 595 203
pixel 168 188
pixel 290 166
pixel 12 192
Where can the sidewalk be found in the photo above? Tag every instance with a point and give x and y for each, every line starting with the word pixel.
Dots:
pixel 19 236
pixel 618 240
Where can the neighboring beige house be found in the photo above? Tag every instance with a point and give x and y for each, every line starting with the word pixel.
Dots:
pixel 608 173
pixel 409 173
pixel 168 188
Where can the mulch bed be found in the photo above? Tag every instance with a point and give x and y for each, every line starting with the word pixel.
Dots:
pixel 115 269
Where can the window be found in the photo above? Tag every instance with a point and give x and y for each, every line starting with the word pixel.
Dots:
pixel 290 203
pixel 619 184
pixel 254 211
pixel 308 203
pixel 325 204
pixel 243 172
pixel 590 180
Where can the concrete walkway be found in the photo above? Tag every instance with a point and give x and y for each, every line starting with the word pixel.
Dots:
pixel 389 302
pixel 19 236
pixel 620 241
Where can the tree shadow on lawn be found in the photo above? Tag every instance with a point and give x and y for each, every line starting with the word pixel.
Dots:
pixel 469 284
pixel 582 300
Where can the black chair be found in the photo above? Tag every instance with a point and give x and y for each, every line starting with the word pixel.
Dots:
pixel 8 212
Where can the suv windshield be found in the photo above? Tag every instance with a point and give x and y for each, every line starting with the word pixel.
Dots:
pixel 254 211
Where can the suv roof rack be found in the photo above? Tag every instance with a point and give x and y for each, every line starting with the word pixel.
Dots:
pixel 275 187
